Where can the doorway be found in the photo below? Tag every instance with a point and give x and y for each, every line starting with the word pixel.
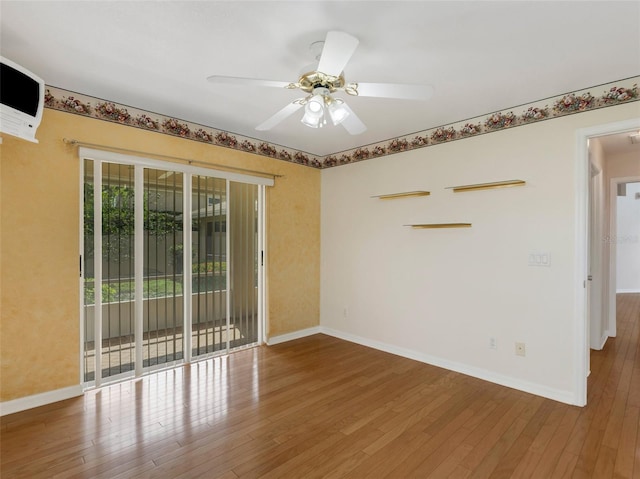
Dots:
pixel 590 238
pixel 171 264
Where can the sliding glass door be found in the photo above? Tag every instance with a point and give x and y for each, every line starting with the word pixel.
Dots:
pixel 209 318
pixel 167 276
pixel 108 283
pixel 245 260
pixel 225 267
pixel 163 311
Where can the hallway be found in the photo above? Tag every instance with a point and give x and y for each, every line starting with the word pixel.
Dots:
pixel 608 426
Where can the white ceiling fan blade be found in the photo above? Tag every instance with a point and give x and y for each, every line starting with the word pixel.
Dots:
pixel 395 90
pixel 226 80
pixel 288 110
pixel 337 50
pixel 352 123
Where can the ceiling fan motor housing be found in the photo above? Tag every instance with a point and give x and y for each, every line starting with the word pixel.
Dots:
pixel 312 80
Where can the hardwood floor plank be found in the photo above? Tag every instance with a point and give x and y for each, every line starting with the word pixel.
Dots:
pixel 483 458
pixel 107 469
pixel 374 413
pixel 522 445
pixel 553 450
pixel 445 441
pixel 565 466
pixel 137 469
pixel 489 432
pixel 212 461
pixel 490 461
pixel 628 444
pixel 636 464
pixel 320 407
pixel 282 453
pixel 409 444
pixel 605 462
pixel 452 462
pixel 303 462
pixel 459 473
pixel 341 469
pixel 611 436
pixel 346 453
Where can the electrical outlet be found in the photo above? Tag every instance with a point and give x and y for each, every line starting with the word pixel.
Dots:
pixel 493 343
pixel 520 349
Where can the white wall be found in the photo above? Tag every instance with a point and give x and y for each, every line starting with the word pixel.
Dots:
pixel 439 295
pixel 598 249
pixel 623 165
pixel 628 241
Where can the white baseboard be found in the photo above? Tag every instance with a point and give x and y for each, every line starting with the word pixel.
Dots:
pixel 598 344
pixel 28 402
pixel 294 335
pixel 618 291
pixel 605 336
pixel 567 397
pixel 22 404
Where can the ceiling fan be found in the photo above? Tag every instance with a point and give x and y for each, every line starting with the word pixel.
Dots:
pixel 321 81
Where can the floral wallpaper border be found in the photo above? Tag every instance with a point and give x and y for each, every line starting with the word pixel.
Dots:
pixel 610 94
pixel 64 100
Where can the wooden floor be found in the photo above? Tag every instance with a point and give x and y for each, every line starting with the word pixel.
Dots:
pixel 322 407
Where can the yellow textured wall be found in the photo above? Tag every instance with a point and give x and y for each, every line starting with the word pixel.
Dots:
pixel 39 244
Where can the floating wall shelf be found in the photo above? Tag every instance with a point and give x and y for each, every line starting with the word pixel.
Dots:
pixel 487 186
pixel 408 194
pixel 441 225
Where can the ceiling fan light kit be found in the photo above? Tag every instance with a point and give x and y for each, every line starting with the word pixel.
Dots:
pixel 328 78
pixel 337 111
pixel 314 113
pixel 318 105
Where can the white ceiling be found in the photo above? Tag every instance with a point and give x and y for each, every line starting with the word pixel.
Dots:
pixel 619 144
pixel 479 56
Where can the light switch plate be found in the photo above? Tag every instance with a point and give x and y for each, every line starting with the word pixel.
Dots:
pixel 540 258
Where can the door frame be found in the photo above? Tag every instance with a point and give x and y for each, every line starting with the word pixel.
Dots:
pixel 594 263
pixel 582 177
pixel 188 170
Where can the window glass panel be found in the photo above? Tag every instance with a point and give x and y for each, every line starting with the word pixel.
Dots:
pixel 209 281
pixel 163 262
pixel 243 218
pixel 88 275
